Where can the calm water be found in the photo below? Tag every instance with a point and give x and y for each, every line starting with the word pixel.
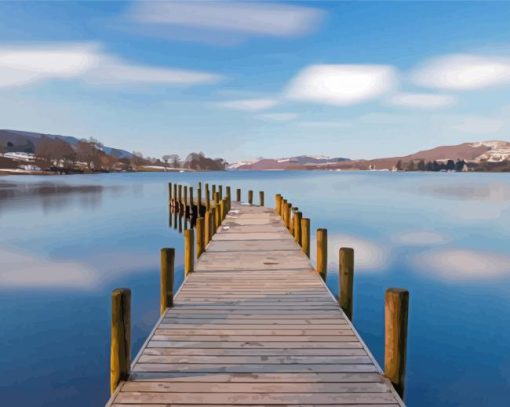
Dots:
pixel 66 242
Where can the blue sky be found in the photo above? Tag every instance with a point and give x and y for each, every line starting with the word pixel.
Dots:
pixel 247 79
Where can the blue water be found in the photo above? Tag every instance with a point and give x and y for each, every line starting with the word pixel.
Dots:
pixel 67 241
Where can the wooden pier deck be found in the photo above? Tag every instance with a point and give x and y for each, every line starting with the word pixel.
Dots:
pixel 254 325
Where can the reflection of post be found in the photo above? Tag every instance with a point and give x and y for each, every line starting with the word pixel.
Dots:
pixel 176 215
pixel 170 214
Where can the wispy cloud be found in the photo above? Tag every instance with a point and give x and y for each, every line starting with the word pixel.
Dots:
pixel 239 17
pixel 341 85
pixel 25 65
pixel 421 100
pixel 419 238
pixel 463 264
pixel 250 105
pixel 278 117
pixel 462 72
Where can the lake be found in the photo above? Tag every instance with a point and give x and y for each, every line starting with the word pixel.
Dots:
pixel 67 241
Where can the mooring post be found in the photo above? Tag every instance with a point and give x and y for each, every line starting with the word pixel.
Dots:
pixel 228 191
pixel 222 209
pixel 288 209
pixel 216 198
pixel 179 200
pixel 297 227
pixel 220 191
pixel 346 280
pixel 207 199
pixel 293 220
pixel 238 194
pixel 277 199
pixel 261 198
pixel 305 236
pixel 167 279
pixel 250 197
pixel 283 210
pixel 213 191
pixel 169 192
pixel 212 231
pixel 199 202
pixel 191 203
pixel 395 344
pixel 322 252
pixel 207 227
pixel 120 350
pixel 185 192
pixel 217 217
pixel 175 196
pixel 200 236
pixel 189 255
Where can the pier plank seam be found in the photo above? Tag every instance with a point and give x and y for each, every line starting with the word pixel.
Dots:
pixel 244 331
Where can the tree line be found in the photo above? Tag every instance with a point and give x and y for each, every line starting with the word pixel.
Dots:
pixel 422 165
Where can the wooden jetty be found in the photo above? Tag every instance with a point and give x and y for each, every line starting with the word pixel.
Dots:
pixel 254 324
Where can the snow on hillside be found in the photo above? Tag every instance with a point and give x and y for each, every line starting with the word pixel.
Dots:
pixel 499 151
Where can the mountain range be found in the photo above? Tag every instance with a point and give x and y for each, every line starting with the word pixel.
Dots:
pixel 494 152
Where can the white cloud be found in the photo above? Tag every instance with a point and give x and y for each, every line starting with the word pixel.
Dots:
pixel 25 65
pixel 326 124
pixel 421 100
pixel 463 264
pixel 419 238
pixel 250 105
pixel 278 117
pixel 341 85
pixel 463 72
pixel 368 254
pixel 116 71
pixel 258 19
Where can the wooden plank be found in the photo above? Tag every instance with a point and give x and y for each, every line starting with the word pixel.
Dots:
pixel 254 398
pixel 253 360
pixel 248 338
pixel 253 368
pixel 162 342
pixel 254 352
pixel 166 387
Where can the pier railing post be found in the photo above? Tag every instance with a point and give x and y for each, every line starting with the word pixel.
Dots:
pixel 322 252
pixel 346 280
pixel 305 236
pixel 238 194
pixel 207 227
pixel 261 198
pixel 200 236
pixel 120 350
pixel 167 279
pixel 277 199
pixel 189 255
pixel 250 197
pixel 212 230
pixel 395 344
pixel 288 209
pixel 297 227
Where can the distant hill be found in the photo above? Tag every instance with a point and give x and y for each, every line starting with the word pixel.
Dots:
pixel 27 142
pixel 299 162
pixel 485 155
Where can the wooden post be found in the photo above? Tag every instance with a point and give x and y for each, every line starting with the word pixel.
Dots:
pixel 238 194
pixel 229 197
pixel 261 198
pixel 216 198
pixel 169 192
pixel 213 191
pixel 167 279
pixel 322 252
pixel 297 227
pixel 277 199
pixel 395 343
pixel 191 202
pixel 305 236
pixel 346 280
pixel 217 217
pixel 250 197
pixel 207 199
pixel 222 210
pixel 283 210
pixel 212 230
pixel 120 350
pixel 292 220
pixel 189 255
pixel 185 192
pixel 180 196
pixel 220 191
pixel 199 201
pixel 207 227
pixel 287 215
pixel 175 195
pixel 200 236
